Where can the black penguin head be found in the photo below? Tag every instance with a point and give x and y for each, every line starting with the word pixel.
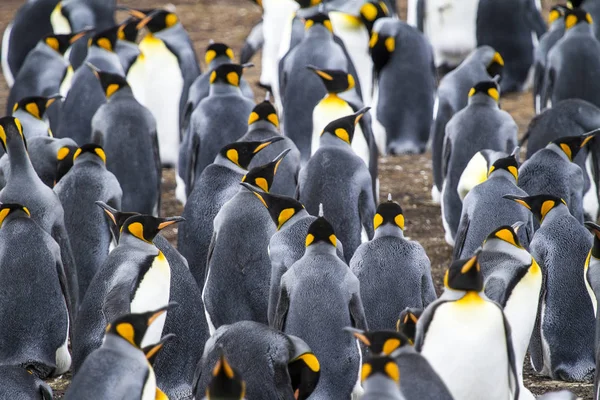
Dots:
pixel 371 11
pixel 151 352
pixel 381 48
pixel 9 208
pixel 464 275
pixel 11 129
pixel 228 73
pixel 264 111
pixel 226 382
pixel 64 161
pixel 215 50
pixel 318 19
pixel 281 208
pixel 304 369
pixel 571 145
pixel 380 342
pixel 90 148
pixel 509 164
pixel 575 16
pixel 496 65
pixel 156 20
pixel 146 227
pixel 308 3
pixel 389 212
pixel 506 233
pixel 539 205
pixel 128 30
pixel 106 39
pixel 335 80
pixel 556 12
pixel 594 228
pixel 117 218
pixel 321 231
pixel 133 327
pixel 385 366
pixel 574 3
pixel 343 128
pixel 488 88
pixel 241 153
pixel 407 323
pixel 111 83
pixel 262 176
pixel 35 106
pixel 61 43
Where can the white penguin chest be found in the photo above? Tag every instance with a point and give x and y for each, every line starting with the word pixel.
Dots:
pixel 60 24
pixel 466 345
pixel 149 391
pixel 275 15
pixel 152 293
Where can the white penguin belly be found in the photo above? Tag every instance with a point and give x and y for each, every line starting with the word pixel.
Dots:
pixel 590 198
pixel 466 346
pixel 65 85
pixel 474 173
pixel 157 71
pixel 149 391
pixel 153 293
pixel 379 132
pixel 411 12
pixel 275 13
pixel 450 27
pixel 60 24
pixel 8 75
pixel 356 39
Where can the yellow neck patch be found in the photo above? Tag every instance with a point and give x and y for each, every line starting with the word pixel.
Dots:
pixel 546 207
pixel 209 56
pixel 233 79
pixel 390 345
pixel 369 11
pixel 262 183
pixel 343 134
pixel 62 153
pixel 284 216
pixel 470 298
pixel 3 214
pixel 111 89
pixel 105 44
pixel 507 236
pixel 399 220
pixel 390 44
pixel 52 43
pixel 392 370
pixel 126 331
pixel 309 239
pixel 365 371
pixel 3 135
pixel 33 109
pixel 232 155
pixel 311 361
pixel 377 221
pixel 553 16
pixel 137 230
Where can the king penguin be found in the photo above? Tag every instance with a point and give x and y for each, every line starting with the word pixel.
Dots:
pixel 513 279
pixel 35 299
pixel 135 278
pixel 237 283
pixel 219 119
pixel 23 186
pixel 484 209
pixel 321 281
pixel 119 368
pixel 31 111
pixel 274 365
pixel 225 383
pixel 380 377
pixel 562 345
pixel 390 257
pixel 453 95
pixel 591 275
pixel 162 75
pixel 86 182
pixel 337 178
pixel 126 130
pixel 403 63
pixel 480 125
pixel 19 383
pixel 474 325
pixel 592 7
pixel 218 183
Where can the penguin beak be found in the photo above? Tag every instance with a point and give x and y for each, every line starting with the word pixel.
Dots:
pixel 79 35
pixel 359 114
pixel 517 225
pixel 247 65
pixel 52 99
pixel 161 311
pixel 360 335
pixel 145 19
pixel 108 210
pixel 169 221
pixel 134 13
pixel 94 69
pixel 282 155
pixel 267 143
pixel 595 228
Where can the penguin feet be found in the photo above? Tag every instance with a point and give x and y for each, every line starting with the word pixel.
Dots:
pixel 575 373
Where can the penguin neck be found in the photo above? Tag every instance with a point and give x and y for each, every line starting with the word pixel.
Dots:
pixel 18 158
pixel 555 148
pixel 500 246
pixel 116 342
pixel 218 61
pixel 483 99
pixel 380 385
pixel 295 218
pixel 320 248
pixel 263 126
pixel 123 93
pixel 580 29
pixel 389 230
pixel 127 239
pixel 221 88
pixel 89 158
pixel 557 24
pixel 555 213
pixel 328 139
pixel 224 162
pixel 317 32
pixel 334 98
pixel 503 174
pixel 12 216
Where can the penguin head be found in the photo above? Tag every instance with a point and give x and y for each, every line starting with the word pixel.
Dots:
pixel 380 342
pixel 539 205
pixel 574 3
pixel 35 106
pixel 496 64
pixel 157 20
pixel 133 327
pixel 308 3
pixel 407 323
pixel 389 212
pixel 343 128
pixel 7 209
pixel 241 153
pixel 111 83
pixel 384 366
pixel 281 208
pixel 574 16
pixel 304 369
pixel 464 275
pixel 320 231
pixel 11 129
pixel 216 50
pixel 593 227
pixel 64 161
pixel 505 233
pixel 262 176
pixel 117 218
pixel 508 164
pixel 228 73
pixel 146 227
pixel 151 352
pixel 335 80
pixel 381 47
pixel 106 39
pixel 556 12
pixel 570 145
pixel 371 11
pixel 226 382
pixel 486 88
pixel 128 30
pixel 264 111
pixel 61 43
pixel 92 149
pixel 318 19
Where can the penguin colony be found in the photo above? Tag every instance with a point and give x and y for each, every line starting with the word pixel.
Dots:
pixel 289 280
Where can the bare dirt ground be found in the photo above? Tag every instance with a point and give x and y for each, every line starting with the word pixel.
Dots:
pixel 407 178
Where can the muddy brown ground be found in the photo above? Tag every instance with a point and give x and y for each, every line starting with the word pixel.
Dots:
pixel 407 178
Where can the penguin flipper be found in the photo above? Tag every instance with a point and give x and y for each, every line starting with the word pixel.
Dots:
pixel 421 14
pixel 283 305
pixel 117 301
pixel 514 382
pixel 357 312
pixel 366 205
pixel 447 152
pixel 547 88
pixel 495 290
pixel 538 83
pixel 211 249
pixel 253 43
pixel 64 288
pixel 438 137
pixel 158 166
pixel 461 235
